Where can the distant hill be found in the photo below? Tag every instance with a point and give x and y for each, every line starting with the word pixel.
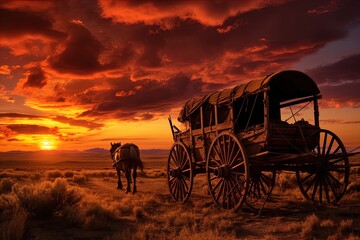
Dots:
pixel 97 150
pixel 142 151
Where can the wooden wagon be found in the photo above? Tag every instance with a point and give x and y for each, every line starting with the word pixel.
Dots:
pixel 239 138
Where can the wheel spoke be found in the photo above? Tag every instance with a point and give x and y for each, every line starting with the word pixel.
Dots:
pixel 337 149
pixel 237 165
pixel 235 157
pixel 330 145
pixel 324 144
pixel 314 191
pixel 311 183
pixel 307 177
pixel 220 191
pixel 214 177
pixel 326 189
pixel 217 184
pixel 185 185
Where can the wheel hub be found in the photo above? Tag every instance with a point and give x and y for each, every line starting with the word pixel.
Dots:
pixel 176 172
pixel 222 171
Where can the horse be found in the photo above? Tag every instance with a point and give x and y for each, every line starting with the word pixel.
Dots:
pixel 125 158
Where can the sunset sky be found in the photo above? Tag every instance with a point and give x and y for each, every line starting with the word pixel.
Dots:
pixel 82 74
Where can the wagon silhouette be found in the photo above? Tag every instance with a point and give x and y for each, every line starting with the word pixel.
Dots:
pixel 239 138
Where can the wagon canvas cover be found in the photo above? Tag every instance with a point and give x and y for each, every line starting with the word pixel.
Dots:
pixel 285 85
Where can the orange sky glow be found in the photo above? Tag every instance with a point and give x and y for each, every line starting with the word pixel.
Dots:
pixel 76 75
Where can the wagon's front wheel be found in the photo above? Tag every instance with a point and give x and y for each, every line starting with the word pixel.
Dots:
pixel 327 180
pixel 227 171
pixel 180 174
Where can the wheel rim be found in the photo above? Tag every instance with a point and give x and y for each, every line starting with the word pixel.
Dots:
pixel 327 181
pixel 180 173
pixel 227 171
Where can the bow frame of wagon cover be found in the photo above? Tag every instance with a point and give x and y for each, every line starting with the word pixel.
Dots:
pixel 239 138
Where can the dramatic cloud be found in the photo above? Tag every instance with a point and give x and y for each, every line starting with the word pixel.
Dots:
pixel 339 82
pixel 338 73
pixel 83 65
pixel 35 78
pixel 128 98
pixel 16 23
pixel 158 12
pixel 10 130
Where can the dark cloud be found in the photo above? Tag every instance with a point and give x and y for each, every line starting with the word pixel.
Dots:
pixel 85 54
pixel 77 122
pixel 81 52
pixel 15 23
pixel 35 78
pixel 345 70
pixel 31 129
pixel 18 115
pixel 129 98
pixel 339 82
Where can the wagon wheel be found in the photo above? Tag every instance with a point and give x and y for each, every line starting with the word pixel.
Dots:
pixel 329 179
pixel 260 187
pixel 180 173
pixel 227 171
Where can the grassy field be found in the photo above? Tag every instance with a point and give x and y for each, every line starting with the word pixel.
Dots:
pixel 71 196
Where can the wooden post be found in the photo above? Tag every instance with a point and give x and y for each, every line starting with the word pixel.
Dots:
pixel 266 114
pixel 316 112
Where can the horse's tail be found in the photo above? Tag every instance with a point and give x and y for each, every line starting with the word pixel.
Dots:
pixel 135 154
pixel 140 164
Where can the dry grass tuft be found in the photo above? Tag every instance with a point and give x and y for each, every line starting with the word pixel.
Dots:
pixel 192 233
pixel 328 223
pixel 285 181
pixel 78 178
pixel 310 224
pixel 10 173
pixel 6 185
pixel 139 213
pixel 345 225
pixel 69 174
pixel 13 228
pixel 47 198
pixel 53 174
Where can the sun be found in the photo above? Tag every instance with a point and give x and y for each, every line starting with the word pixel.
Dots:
pixel 47 145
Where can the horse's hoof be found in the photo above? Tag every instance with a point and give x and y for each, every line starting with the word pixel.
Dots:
pixel 120 188
pixel 134 192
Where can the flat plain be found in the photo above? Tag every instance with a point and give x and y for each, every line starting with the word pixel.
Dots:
pixel 73 195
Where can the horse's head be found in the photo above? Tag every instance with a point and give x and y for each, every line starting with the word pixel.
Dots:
pixel 113 148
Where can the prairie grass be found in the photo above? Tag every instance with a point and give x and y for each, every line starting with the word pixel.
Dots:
pixel 16 174
pixel 51 174
pixel 46 198
pixel 310 224
pixel 78 178
pixel 6 185
pixel 13 228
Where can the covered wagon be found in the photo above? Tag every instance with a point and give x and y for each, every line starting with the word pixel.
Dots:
pixel 239 137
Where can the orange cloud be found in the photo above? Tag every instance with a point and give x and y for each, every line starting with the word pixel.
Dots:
pixel 211 13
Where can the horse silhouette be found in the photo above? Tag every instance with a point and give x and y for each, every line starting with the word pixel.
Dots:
pixel 126 158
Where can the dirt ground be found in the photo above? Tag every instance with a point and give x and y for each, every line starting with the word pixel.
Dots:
pixel 153 214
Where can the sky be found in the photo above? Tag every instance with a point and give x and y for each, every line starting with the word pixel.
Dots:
pixel 76 75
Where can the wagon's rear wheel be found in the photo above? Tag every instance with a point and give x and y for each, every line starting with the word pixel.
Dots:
pixel 326 181
pixel 227 171
pixel 180 173
pixel 260 187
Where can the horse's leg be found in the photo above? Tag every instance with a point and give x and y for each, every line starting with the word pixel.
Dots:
pixel 134 177
pixel 128 178
pixel 120 186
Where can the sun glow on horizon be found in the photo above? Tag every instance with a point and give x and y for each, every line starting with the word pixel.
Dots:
pixel 47 145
